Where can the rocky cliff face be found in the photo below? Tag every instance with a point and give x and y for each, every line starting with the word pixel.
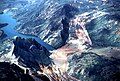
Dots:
pixel 11 72
pixel 30 53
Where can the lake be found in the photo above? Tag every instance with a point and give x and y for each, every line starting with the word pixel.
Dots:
pixel 11 32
